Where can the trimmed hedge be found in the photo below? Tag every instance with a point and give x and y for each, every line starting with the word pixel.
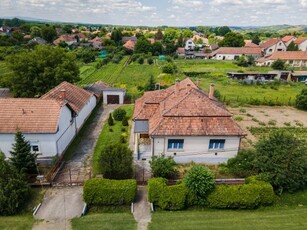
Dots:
pixel 173 197
pixel 155 187
pixel 246 196
pixel 99 191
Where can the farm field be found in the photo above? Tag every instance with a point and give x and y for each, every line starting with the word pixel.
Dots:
pixel 289 212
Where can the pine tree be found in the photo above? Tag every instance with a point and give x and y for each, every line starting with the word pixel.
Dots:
pixel 22 157
pixel 110 120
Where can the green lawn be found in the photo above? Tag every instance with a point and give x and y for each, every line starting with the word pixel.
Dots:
pixel 110 137
pixel 289 212
pixel 24 220
pixel 105 221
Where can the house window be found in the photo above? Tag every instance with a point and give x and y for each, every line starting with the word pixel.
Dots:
pixel 216 144
pixel 270 50
pixel 34 148
pixel 175 143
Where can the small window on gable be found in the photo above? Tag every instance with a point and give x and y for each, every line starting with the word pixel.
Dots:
pixel 217 144
pixel 175 144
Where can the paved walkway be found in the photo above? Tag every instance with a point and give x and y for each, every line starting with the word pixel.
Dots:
pixel 79 167
pixel 142 213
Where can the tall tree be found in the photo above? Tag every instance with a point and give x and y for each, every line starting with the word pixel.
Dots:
pixel 13 188
pixel 116 36
pixel 150 84
pixel 222 31
pixel 142 46
pixel 292 47
pixel 35 72
pixel 22 157
pixel 49 33
pixel 159 35
pixel 36 31
pixel 256 40
pixel 232 39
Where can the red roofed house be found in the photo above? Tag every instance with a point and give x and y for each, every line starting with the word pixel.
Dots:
pixel 129 45
pixel 272 45
pixel 234 53
pixel 49 123
pixel 288 39
pixel 301 42
pixel 292 58
pixel 184 122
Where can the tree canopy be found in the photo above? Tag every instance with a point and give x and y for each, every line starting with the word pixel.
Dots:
pixel 36 72
pixel 232 39
pixel 142 46
pixel 301 100
pixel 48 33
pixel 278 64
pixel 292 47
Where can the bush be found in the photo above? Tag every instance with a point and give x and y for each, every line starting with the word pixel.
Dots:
pixel 99 191
pixel 162 166
pixel 141 60
pixel 278 64
pixel 116 162
pixel 200 180
pixel 301 100
pixel 119 114
pixel 110 120
pixel 168 68
pixel 155 187
pixel 242 164
pixel 150 61
pixel 125 121
pixel 246 196
pixel 173 197
pixel 123 138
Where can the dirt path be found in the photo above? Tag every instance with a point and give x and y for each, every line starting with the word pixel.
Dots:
pixel 142 212
pixel 59 206
pixel 79 167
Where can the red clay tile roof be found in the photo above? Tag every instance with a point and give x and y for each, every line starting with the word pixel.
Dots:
pixel 286 55
pixel 251 45
pixel 182 110
pixel 65 38
pixel 76 97
pixel 96 40
pixel 300 40
pixel 129 45
pixel 29 115
pixel 287 38
pixel 237 50
pixel 269 43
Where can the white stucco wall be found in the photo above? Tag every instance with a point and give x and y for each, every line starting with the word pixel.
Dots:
pixel 278 46
pixel 189 45
pixel 197 149
pixel 85 111
pixel 303 46
pixel 121 95
pixel 232 56
pixel 49 144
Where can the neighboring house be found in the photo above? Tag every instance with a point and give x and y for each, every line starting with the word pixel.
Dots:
pixel 126 39
pixel 189 45
pixel 129 45
pixel 234 53
pixel 109 94
pixel 180 51
pixel 184 122
pixel 292 58
pixel 272 45
pixel 96 42
pixel 288 39
pixel 251 45
pixel 67 38
pixel 197 38
pixel 49 123
pixel 38 40
pixel 301 42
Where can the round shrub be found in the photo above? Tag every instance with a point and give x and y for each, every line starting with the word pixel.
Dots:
pixel 110 120
pixel 162 166
pixel 125 121
pixel 141 60
pixel 150 61
pixel 119 114
pixel 168 68
pixel 200 180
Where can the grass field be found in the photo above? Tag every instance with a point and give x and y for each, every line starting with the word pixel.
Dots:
pixel 289 212
pixel 114 221
pixel 24 220
pixel 106 137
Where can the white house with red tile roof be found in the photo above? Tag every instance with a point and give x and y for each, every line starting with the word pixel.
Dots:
pixel 234 53
pixel 184 122
pixel 288 39
pixel 49 123
pixel 272 45
pixel 301 42
pixel 292 58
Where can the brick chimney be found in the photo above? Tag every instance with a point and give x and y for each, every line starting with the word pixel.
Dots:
pixel 188 88
pixel 211 92
pixel 63 94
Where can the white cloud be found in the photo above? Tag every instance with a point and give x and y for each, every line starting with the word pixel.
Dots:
pixel 303 3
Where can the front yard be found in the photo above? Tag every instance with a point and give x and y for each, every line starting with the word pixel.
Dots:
pixel 289 212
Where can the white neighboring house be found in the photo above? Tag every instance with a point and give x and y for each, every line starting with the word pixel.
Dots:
pixel 189 44
pixel 301 42
pixel 292 58
pixel 272 45
pixel 109 94
pixel 184 122
pixel 288 39
pixel 49 123
pixel 234 53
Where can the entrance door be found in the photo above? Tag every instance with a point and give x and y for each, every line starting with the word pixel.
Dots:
pixel 112 99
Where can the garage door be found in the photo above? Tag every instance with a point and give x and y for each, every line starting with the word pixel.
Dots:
pixel 113 99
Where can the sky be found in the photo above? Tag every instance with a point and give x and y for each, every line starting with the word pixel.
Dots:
pixel 162 12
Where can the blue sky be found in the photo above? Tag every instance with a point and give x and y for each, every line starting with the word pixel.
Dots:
pixel 162 12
